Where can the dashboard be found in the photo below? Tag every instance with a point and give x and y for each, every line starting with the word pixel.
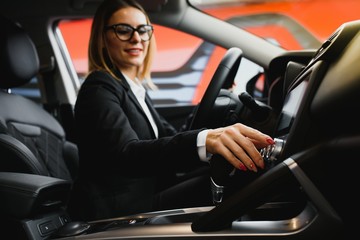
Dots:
pixel 321 98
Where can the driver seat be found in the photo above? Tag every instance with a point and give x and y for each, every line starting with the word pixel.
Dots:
pixel 31 139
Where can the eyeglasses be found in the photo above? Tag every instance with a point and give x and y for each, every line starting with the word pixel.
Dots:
pixel 125 32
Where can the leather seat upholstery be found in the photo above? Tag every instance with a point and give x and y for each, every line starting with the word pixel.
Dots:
pixel 31 139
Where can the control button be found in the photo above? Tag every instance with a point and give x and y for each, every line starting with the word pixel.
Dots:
pixel 64 219
pixel 46 228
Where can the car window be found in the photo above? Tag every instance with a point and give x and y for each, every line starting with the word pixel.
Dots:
pixel 292 25
pixel 182 69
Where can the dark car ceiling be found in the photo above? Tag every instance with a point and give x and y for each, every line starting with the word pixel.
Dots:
pixel 24 8
pixel 150 6
pixel 37 15
pixel 29 12
pixel 24 11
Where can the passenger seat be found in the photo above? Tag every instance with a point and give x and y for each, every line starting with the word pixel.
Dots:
pixel 31 139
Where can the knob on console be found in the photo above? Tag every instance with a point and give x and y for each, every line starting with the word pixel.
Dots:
pixel 272 152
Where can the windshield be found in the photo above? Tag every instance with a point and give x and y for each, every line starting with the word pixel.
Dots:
pixel 290 24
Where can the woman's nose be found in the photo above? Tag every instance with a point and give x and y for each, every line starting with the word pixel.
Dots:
pixel 135 37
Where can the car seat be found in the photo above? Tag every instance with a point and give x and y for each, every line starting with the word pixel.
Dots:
pixel 31 139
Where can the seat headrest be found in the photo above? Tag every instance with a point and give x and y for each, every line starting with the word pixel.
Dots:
pixel 19 60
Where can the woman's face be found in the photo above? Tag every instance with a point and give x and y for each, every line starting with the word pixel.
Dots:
pixel 127 55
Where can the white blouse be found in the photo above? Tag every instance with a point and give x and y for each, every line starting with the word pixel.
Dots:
pixel 139 91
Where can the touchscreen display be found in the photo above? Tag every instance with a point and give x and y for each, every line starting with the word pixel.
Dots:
pixel 291 106
pixel 293 99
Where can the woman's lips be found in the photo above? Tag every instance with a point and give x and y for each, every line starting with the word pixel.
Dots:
pixel 134 51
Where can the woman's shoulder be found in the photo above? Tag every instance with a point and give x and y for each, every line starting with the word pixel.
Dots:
pixel 102 78
pixel 101 83
pixel 100 86
pixel 99 77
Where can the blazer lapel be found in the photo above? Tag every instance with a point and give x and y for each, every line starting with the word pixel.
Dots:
pixel 131 95
pixel 133 98
pixel 155 115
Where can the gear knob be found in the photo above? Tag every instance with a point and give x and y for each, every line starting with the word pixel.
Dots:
pixel 272 152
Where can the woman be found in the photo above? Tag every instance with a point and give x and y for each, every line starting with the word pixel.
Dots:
pixel 128 152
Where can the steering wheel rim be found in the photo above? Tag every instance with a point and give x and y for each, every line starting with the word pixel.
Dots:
pixel 223 78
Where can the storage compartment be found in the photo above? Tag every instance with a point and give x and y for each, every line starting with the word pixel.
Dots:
pixel 34 204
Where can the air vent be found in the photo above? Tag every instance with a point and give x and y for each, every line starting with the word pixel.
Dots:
pixel 334 35
pixel 325 45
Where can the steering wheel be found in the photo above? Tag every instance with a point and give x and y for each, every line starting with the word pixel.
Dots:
pixel 223 78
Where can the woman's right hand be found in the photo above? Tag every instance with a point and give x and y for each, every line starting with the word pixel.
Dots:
pixel 239 145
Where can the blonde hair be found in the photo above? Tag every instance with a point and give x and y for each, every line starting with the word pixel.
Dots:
pixel 99 59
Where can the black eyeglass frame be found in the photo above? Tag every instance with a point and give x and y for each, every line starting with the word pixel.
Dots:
pixel 137 29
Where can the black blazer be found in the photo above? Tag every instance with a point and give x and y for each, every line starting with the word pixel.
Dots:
pixel 115 136
pixel 121 161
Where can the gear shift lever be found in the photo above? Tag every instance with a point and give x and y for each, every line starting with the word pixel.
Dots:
pixel 221 172
pixel 217 192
